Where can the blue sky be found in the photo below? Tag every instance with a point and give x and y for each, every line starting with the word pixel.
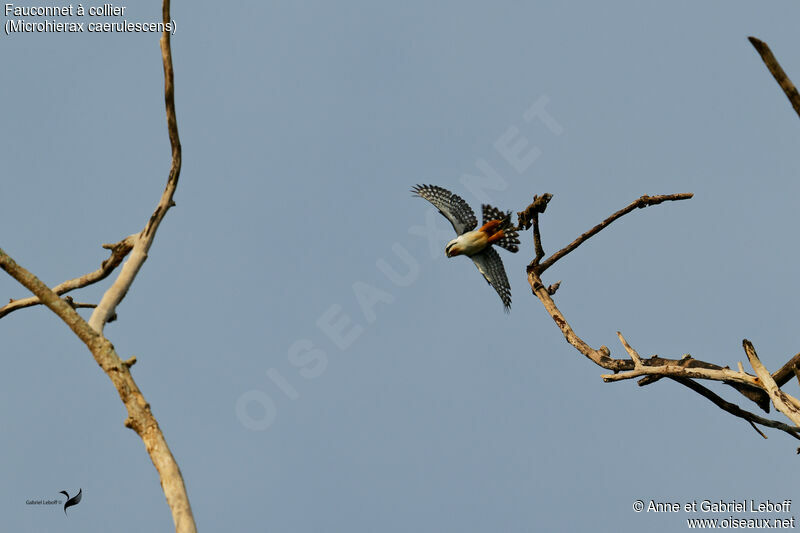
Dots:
pixel 304 125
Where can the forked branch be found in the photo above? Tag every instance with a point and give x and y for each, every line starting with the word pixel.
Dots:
pixel 140 418
pixel 760 388
pixel 639 203
pixel 683 370
pixel 118 252
pixel 114 295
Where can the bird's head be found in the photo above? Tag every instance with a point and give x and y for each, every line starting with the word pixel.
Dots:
pixel 452 249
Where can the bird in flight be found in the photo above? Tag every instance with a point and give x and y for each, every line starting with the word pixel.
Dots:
pixel 476 244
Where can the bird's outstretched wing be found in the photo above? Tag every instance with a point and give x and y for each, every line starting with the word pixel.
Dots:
pixel 452 206
pixel 491 266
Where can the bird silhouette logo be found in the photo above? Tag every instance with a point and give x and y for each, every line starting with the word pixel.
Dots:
pixel 75 500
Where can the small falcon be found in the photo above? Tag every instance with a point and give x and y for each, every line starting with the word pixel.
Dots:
pixel 476 244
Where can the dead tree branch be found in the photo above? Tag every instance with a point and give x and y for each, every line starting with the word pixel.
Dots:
pixel 639 203
pixel 787 371
pixel 777 72
pixel 530 216
pixel 786 404
pixel 118 252
pixel 684 367
pixel 735 410
pixel 140 418
pixel 114 295
pixel 759 388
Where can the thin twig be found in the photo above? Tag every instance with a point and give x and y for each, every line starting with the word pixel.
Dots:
pixel 644 201
pixel 637 361
pixel 756 428
pixel 78 305
pixel 777 72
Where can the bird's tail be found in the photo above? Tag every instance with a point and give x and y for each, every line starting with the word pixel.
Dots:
pixel 510 239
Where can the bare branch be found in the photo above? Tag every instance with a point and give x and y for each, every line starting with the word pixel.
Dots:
pixel 637 361
pixel 526 217
pixel 654 368
pixel 599 356
pixel 783 402
pixel 756 428
pixel 785 373
pixel 723 374
pixel 644 201
pixel 777 72
pixel 78 305
pixel 140 418
pixel 758 388
pixel 49 298
pixel 118 290
pixel 530 216
pixel 118 252
pixel 682 370
pixel 735 410
pixel 653 365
